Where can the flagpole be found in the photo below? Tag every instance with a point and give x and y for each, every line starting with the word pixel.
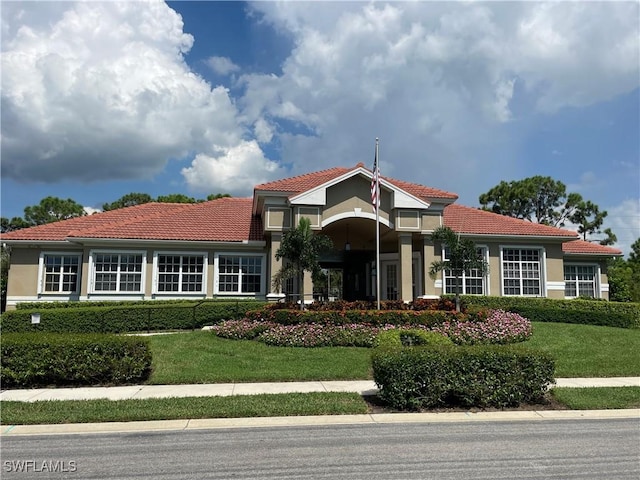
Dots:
pixel 378 272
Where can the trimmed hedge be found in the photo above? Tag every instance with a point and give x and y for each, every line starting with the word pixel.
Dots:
pixel 586 312
pixel 44 359
pixel 146 316
pixel 471 376
pixel 341 317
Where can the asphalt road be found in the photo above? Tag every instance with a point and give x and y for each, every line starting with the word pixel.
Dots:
pixel 566 449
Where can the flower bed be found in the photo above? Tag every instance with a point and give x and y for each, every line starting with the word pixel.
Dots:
pixel 499 327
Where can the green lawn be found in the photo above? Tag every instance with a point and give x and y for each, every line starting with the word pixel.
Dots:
pixel 588 350
pixel 239 406
pixel 201 357
pixel 598 397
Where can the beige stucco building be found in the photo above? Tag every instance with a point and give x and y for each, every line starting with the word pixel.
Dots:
pixel 226 248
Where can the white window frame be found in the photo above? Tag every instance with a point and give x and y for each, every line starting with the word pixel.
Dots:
pixel 485 278
pixel 597 293
pixel 42 273
pixel 92 272
pixel 216 274
pixel 542 259
pixel 181 273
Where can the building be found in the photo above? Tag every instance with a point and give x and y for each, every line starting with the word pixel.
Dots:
pixel 226 247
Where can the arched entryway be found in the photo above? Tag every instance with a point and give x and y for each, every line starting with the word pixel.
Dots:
pixel 352 262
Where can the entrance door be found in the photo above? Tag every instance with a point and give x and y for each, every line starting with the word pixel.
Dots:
pixel 389 281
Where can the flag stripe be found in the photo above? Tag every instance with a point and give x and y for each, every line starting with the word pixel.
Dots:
pixel 375 179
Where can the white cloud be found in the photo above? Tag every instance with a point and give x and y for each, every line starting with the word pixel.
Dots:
pixel 222 65
pixel 100 90
pixel 435 80
pixel 233 170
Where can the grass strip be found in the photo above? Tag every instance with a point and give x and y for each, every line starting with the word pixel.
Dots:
pixel 598 398
pixel 201 357
pixel 237 406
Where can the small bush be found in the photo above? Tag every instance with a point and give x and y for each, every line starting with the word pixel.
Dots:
pixel 44 359
pixel 463 376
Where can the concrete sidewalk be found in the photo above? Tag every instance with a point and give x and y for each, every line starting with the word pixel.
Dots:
pixel 363 387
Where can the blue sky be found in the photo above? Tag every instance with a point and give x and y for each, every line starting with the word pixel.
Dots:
pixel 100 99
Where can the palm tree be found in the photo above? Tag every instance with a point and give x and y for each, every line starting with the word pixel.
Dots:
pixel 302 249
pixel 463 256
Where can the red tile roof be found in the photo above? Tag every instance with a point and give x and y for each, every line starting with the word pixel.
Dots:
pixel 309 181
pixel 224 219
pixel 584 247
pixel 474 221
pixel 303 183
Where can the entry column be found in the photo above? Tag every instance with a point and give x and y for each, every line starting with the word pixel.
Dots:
pixel 405 254
pixel 274 267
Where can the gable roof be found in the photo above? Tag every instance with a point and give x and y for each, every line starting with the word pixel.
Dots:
pixel 224 219
pixel 480 222
pixel 309 181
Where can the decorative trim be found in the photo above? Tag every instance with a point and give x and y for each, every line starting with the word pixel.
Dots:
pixel 557 286
pixel 278 209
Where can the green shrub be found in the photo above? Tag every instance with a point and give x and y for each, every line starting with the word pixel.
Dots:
pixel 133 317
pixel 45 359
pixel 463 376
pixel 610 314
pixel 342 317
pixel 399 337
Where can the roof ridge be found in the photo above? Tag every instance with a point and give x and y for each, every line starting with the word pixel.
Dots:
pixel 337 170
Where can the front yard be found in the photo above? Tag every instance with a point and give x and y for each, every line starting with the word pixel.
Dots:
pixel 201 357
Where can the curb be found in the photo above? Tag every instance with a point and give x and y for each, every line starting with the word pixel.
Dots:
pixel 320 420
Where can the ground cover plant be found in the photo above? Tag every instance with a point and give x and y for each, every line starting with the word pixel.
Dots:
pixel 490 327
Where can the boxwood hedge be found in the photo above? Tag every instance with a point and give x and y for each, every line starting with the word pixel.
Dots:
pixel 45 359
pixel 586 312
pixel 412 378
pixel 130 317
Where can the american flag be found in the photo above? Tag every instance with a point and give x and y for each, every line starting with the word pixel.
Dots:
pixel 375 180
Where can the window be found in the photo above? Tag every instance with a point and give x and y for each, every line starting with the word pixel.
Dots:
pixel 522 271
pixel 472 282
pixel 240 274
pixel 60 273
pixel 117 272
pixel 580 281
pixel 180 273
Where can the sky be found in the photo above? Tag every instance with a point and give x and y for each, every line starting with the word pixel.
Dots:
pixel 101 99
